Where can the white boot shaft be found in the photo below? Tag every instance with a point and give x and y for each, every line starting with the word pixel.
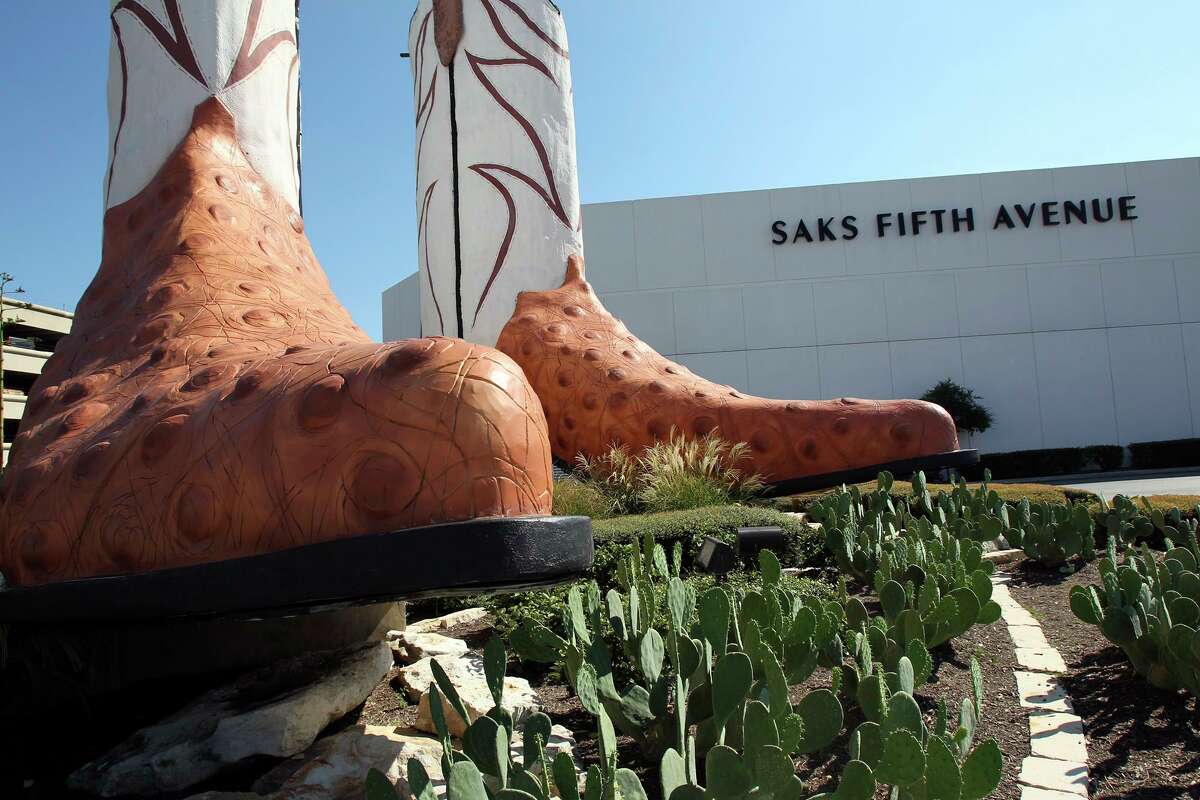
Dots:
pixel 168 56
pixel 497 188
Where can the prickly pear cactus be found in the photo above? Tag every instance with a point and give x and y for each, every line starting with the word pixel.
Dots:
pixel 1150 608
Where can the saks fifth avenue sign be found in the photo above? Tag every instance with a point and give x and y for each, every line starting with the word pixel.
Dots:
pixel 936 221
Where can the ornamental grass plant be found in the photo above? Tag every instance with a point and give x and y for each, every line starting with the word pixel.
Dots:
pixel 673 474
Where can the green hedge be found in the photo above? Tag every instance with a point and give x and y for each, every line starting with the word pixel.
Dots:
pixel 691 526
pixel 1166 455
pixel 1104 457
pixel 1021 463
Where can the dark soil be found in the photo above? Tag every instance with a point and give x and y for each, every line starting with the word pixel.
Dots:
pixel 386 705
pixel 1003 718
pixel 1142 742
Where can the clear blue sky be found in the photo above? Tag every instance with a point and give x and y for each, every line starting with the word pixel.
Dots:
pixel 671 97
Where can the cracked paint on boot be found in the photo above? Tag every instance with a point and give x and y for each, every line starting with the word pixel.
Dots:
pixel 214 400
pixel 600 385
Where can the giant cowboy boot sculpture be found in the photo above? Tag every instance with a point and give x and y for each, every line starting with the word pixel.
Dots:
pixel 498 219
pixel 216 434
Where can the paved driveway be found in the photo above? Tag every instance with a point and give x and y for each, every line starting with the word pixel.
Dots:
pixel 1171 483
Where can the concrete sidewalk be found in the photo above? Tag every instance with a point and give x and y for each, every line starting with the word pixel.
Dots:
pixel 1128 482
pixel 1183 484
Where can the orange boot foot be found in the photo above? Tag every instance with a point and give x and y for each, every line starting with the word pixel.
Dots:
pixel 600 386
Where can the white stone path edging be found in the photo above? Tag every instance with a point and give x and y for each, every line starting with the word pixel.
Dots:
pixel 1056 768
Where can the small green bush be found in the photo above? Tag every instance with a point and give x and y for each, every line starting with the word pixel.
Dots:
pixel 961 404
pixel 522 609
pixel 576 498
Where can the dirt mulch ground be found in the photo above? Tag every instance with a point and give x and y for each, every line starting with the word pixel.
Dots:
pixel 1142 742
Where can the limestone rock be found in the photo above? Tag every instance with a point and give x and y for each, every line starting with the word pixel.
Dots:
pixel 335 767
pixel 999 555
pixel 435 624
pixel 460 670
pixel 410 647
pixel 519 700
pixel 467 676
pixel 275 711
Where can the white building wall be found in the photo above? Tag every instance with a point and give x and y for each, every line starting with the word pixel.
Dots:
pixel 1073 335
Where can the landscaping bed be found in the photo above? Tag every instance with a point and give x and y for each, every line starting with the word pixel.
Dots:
pixel 1003 720
pixel 1142 742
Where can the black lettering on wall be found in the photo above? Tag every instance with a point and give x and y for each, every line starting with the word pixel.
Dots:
pixel 1050 213
pixel 882 220
pixel 1125 206
pixel 824 234
pixel 918 219
pixel 1003 218
pixel 851 230
pixel 1096 215
pixel 968 217
pixel 779 228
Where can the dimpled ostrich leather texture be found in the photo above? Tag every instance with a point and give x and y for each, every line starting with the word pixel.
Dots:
pixel 600 386
pixel 215 400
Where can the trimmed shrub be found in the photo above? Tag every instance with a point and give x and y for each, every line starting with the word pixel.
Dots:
pixel 1105 457
pixel 1021 463
pixel 962 405
pixel 1069 460
pixel 1166 454
pixel 689 529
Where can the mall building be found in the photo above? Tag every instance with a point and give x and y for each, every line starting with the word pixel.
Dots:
pixel 1068 299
